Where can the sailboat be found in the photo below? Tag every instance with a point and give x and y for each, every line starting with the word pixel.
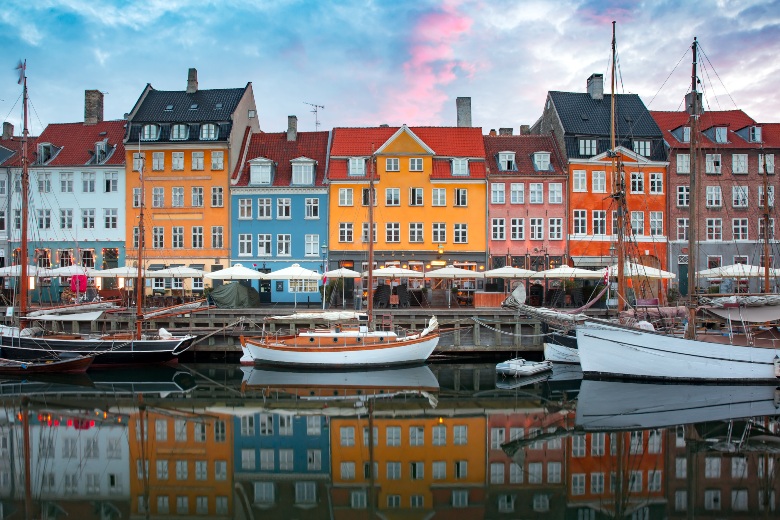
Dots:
pixel 625 352
pixel 345 346
pixel 23 342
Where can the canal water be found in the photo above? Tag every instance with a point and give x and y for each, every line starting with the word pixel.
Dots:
pixel 436 441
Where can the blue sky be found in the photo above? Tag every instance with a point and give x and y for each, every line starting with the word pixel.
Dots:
pixel 396 61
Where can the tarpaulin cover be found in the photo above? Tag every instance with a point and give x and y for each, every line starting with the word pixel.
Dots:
pixel 235 296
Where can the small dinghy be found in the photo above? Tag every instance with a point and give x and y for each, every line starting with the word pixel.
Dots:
pixel 519 367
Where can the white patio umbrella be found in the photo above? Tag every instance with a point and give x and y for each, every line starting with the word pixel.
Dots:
pixel 178 272
pixel 394 272
pixel 509 272
pixel 32 270
pixel 735 271
pixel 451 273
pixel 341 272
pixel 73 270
pixel 117 272
pixel 237 272
pixel 564 271
pixel 292 273
pixel 641 271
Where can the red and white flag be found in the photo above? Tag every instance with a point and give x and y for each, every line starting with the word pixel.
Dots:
pixel 606 276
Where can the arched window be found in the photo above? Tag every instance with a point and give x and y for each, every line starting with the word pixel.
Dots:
pixel 150 132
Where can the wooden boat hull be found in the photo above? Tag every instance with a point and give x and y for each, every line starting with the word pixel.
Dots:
pixel 340 350
pixel 63 366
pixel 639 354
pixel 108 350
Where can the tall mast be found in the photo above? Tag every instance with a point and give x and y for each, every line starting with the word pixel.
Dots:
pixel 25 196
pixel 767 209
pixel 693 110
pixel 618 191
pixel 139 277
pixel 369 296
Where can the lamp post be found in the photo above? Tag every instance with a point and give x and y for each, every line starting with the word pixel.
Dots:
pixel 324 249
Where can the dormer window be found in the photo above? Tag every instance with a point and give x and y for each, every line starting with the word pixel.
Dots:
pixel 45 152
pixel 587 147
pixel 506 161
pixel 542 161
pixel 755 134
pixel 303 172
pixel 180 132
pixel 261 172
pixel 101 151
pixel 460 167
pixel 357 166
pixel 208 132
pixel 720 134
pixel 642 147
pixel 150 133
pixel 686 134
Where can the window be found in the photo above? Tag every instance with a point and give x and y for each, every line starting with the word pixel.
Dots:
pixel 712 163
pixel 766 163
pixel 517 193
pixel 286 462
pixel 138 161
pixel 536 193
pixel 739 163
pixel 150 132
pixel 208 132
pixel 197 160
pixel 714 229
pixel 556 229
pixel 66 183
pixel 683 196
pixel 771 191
pixel 517 229
pixel 393 470
pixel 216 236
pixel 158 161
pixel 439 197
pixel 656 183
pixel 686 134
pixel 283 243
pixel 498 229
pixel 158 197
pixel 368 196
pixel 712 499
pixel 197 197
pixel 541 503
pixel 88 182
pixel 415 232
pixel 580 181
pixel 638 222
pixel 497 193
pixel 358 499
pixel 88 218
pixel 635 481
pixel 177 161
pixel 177 237
pixel 110 218
pixel 364 233
pixel 177 197
pixel 415 164
pixel 506 161
pixel 179 132
pixel 739 468
pixel 461 233
pixel 587 147
pixel 739 228
pixel 244 208
pixel 461 469
pixel 460 167
pixel 345 196
pixel 392 164
pixel 656 223
pixel 314 460
pixel 357 166
pixel 682 229
pixel 771 229
pixel 416 196
pixel 345 232
pixel 305 493
pixel 534 472
pixel 497 473
pixel 714 197
pixel 642 148
pixel 439 232
pixel 217 161
pixel 537 229
pixel 182 505
pixel 392 197
pixel 392 232
pixel 599 222
pixel 599 182
pixel 44 219
pixel 580 222
pixel 720 134
pixel 312 207
pixel 460 434
pixel 303 173
pixel 347 435
pixel 283 208
pixel 637 182
pixel 578 484
pixel 216 197
pixel 393 434
pixel 739 196
pixel 244 244
pixel 683 163
pixel 542 161
pixel 755 134
pixel 597 444
pixel 264 244
pixel 681 467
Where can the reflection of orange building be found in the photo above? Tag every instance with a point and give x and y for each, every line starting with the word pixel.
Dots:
pixel 189 465
pixel 422 463
pixel 618 473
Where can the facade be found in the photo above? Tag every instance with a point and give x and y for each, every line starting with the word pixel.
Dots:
pixel 279 213
pixel 186 144
pixel 76 208
pixel 527 206
pixel 734 161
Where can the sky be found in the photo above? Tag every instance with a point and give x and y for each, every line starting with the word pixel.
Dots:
pixel 371 62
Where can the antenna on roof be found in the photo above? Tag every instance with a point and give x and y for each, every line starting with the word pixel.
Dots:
pixel 314 111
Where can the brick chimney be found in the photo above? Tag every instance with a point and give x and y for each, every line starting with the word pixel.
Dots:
pixel 463 107
pixel 504 131
pixel 525 129
pixel 93 107
pixel 492 132
pixel 192 81
pixel 292 128
pixel 596 86
pixel 8 130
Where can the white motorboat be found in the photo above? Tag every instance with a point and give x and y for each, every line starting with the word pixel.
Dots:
pixel 519 367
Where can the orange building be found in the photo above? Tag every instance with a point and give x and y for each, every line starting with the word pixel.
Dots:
pixel 182 141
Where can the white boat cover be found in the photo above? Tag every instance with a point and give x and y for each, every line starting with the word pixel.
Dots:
pixel 81 316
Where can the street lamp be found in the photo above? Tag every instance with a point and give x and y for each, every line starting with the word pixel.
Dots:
pixel 324 249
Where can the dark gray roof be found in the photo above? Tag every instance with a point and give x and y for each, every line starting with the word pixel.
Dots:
pixel 580 114
pixel 153 107
pixel 223 133
pixel 572 143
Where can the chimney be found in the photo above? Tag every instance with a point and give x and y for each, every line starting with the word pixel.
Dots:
pixel 463 106
pixel 525 130
pixel 292 128
pixel 192 81
pixel 93 107
pixel 504 131
pixel 8 130
pixel 596 86
pixel 492 132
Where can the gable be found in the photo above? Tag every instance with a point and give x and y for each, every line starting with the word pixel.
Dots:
pixel 404 141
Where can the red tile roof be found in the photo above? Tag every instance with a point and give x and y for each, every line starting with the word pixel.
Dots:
pixel 444 141
pixel 733 119
pixel 77 140
pixel 15 145
pixel 770 133
pixel 524 147
pixel 275 146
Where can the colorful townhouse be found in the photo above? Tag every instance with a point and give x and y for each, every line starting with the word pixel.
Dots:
pixel 430 205
pixel 734 161
pixel 76 211
pixel 423 465
pixel 185 143
pixel 279 209
pixel 180 465
pixel 10 168
pixel 581 123
pixel 527 222
pixel 283 463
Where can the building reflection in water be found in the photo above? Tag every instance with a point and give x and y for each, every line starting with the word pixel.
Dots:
pixel 422 442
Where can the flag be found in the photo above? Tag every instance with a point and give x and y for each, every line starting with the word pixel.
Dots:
pixel 606 276
pixel 21 67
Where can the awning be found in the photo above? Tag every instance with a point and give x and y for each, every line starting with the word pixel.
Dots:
pixel 592 261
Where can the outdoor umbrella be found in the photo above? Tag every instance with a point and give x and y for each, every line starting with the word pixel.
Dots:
pixel 178 272
pixel 237 272
pixel 32 270
pixel 73 270
pixel 735 271
pixel 508 272
pixel 450 273
pixel 394 272
pixel 564 271
pixel 117 272
pixel 341 272
pixel 292 273
pixel 642 271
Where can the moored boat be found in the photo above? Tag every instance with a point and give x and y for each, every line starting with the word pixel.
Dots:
pixel 519 367
pixel 45 366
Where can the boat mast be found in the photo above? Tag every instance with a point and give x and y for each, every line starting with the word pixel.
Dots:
pixel 23 252
pixel 766 225
pixel 693 110
pixel 369 296
pixel 139 277
pixel 618 189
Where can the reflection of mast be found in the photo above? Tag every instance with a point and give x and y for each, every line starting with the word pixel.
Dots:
pixel 142 415
pixel 371 475
pixel 28 512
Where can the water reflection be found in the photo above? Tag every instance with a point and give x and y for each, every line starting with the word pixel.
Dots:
pixel 424 442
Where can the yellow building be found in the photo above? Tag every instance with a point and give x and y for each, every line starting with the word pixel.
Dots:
pixel 185 143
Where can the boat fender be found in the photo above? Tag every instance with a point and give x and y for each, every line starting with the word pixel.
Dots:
pixel 645 325
pixel 777 366
pixel 164 334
